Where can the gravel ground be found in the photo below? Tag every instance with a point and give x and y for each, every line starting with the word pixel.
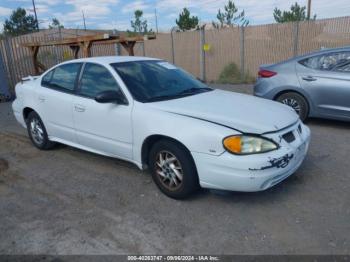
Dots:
pixel 67 201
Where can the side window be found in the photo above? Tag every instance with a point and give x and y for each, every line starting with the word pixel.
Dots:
pixel 95 79
pixel 330 61
pixel 344 68
pixel 62 77
pixel 47 78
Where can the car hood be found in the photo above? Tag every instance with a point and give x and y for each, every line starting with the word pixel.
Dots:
pixel 244 113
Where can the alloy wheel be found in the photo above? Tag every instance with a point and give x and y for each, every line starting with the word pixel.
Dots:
pixel 36 131
pixel 292 103
pixel 169 170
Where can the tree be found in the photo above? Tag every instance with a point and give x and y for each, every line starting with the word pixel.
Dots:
pixel 55 24
pixel 230 16
pixel 185 21
pixel 20 23
pixel 139 26
pixel 296 13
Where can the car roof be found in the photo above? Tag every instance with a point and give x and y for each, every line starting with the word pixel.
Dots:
pixel 111 59
pixel 326 50
pixel 310 54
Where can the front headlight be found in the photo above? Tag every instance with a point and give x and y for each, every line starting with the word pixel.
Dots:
pixel 246 144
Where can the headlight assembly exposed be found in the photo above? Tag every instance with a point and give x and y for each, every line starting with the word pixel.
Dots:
pixel 246 144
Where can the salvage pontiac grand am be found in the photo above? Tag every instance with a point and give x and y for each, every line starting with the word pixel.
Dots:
pixel 154 114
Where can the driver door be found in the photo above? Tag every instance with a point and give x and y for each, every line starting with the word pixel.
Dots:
pixel 101 127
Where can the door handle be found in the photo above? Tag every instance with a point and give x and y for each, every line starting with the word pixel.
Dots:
pixel 309 78
pixel 79 108
pixel 41 99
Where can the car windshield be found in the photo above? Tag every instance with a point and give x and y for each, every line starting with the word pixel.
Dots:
pixel 156 80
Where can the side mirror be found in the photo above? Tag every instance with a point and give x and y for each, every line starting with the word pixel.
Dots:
pixel 111 96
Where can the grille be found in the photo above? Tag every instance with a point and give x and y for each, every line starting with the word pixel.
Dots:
pixel 289 137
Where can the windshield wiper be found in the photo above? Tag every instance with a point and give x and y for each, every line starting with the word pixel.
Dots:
pixel 165 97
pixel 195 90
pixel 186 92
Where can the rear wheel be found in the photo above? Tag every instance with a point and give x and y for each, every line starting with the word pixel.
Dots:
pixel 37 132
pixel 173 169
pixel 297 102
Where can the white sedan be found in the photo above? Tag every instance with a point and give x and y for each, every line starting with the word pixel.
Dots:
pixel 154 114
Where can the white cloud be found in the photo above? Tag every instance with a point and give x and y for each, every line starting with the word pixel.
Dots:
pixel 4 11
pixel 136 5
pixel 148 15
pixel 42 8
pixel 93 10
pixel 121 26
pixel 48 2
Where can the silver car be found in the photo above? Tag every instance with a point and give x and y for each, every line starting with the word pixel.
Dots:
pixel 315 85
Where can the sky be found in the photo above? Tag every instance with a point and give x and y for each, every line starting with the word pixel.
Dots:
pixel 116 14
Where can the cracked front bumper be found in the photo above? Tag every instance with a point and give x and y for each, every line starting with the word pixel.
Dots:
pixel 256 172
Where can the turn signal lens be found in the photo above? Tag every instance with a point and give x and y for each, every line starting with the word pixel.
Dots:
pixel 233 144
pixel 243 145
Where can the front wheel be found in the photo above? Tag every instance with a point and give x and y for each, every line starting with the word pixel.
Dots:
pixel 173 169
pixel 297 102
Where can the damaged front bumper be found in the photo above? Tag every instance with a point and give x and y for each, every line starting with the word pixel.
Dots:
pixel 256 172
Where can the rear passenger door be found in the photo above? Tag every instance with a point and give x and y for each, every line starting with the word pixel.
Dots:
pixel 55 99
pixel 102 127
pixel 326 78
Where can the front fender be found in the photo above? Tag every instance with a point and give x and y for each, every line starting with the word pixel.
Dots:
pixel 195 134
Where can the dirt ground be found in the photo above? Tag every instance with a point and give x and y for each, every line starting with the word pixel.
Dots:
pixel 67 201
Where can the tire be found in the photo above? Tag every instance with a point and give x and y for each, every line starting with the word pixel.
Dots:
pixel 297 102
pixel 37 132
pixel 170 182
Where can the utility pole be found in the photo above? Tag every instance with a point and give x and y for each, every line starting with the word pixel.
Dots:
pixel 36 17
pixel 308 9
pixel 84 19
pixel 155 15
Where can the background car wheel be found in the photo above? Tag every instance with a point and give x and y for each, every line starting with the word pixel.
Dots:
pixel 297 102
pixel 37 132
pixel 173 169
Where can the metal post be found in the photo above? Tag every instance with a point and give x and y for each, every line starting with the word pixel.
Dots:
pixel 202 53
pixel 117 49
pixel 84 19
pixel 156 18
pixel 295 38
pixel 242 52
pixel 172 46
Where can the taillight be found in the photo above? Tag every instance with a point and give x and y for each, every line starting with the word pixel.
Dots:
pixel 266 73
